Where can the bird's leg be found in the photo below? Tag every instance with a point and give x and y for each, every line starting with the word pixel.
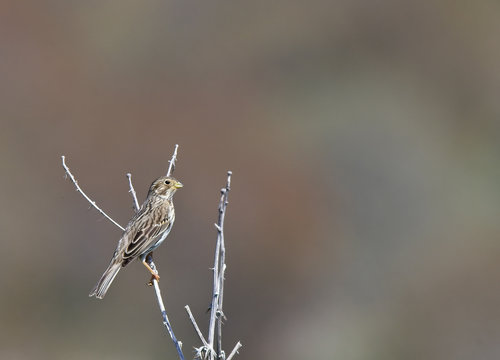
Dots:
pixel 154 274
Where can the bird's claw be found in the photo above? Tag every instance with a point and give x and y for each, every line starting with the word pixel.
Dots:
pixel 153 277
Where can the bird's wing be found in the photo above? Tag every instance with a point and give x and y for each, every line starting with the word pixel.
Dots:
pixel 145 238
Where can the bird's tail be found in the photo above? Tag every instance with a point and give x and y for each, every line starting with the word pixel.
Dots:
pixel 106 279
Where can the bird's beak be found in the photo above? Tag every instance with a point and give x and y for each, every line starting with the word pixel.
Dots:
pixel 178 185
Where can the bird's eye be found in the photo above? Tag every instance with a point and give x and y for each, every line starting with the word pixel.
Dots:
pixel 167 182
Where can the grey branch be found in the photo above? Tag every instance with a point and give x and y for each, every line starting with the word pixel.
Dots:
pixel 132 191
pixel 79 189
pixel 207 351
pixel 166 323
pixel 222 265
pixel 235 350
pixel 149 259
pixel 216 312
pixel 171 166
pixel 197 329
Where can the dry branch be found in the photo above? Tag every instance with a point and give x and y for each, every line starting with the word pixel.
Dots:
pixel 207 351
pixel 166 323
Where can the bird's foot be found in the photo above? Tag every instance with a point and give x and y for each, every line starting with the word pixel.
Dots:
pixel 154 277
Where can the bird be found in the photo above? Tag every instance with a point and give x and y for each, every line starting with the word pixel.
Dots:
pixel 147 229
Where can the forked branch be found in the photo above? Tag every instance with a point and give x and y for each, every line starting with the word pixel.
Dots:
pixel 166 323
pixel 207 350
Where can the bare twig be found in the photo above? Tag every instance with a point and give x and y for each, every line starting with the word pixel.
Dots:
pixel 132 191
pixel 220 230
pixel 79 189
pixel 166 322
pixel 235 350
pixel 215 296
pixel 216 312
pixel 203 353
pixel 156 285
pixel 171 166
pixel 195 325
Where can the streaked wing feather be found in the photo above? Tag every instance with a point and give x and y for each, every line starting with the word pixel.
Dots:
pixel 144 239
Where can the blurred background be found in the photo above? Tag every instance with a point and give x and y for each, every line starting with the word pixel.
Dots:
pixel 364 138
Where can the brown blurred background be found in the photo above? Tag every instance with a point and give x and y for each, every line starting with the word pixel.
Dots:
pixel 364 138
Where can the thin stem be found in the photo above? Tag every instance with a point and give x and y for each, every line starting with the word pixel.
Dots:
pixel 215 296
pixel 149 259
pixel 171 166
pixel 156 285
pixel 132 191
pixel 235 350
pixel 79 189
pixel 195 325
pixel 220 229
pixel 166 322
pixel 216 312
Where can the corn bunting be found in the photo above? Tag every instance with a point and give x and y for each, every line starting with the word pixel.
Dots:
pixel 144 233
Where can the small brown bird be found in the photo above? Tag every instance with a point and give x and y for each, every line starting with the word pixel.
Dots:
pixel 144 233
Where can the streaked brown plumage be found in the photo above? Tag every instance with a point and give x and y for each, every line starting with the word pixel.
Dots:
pixel 144 233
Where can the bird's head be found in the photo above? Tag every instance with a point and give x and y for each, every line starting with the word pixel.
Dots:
pixel 165 186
